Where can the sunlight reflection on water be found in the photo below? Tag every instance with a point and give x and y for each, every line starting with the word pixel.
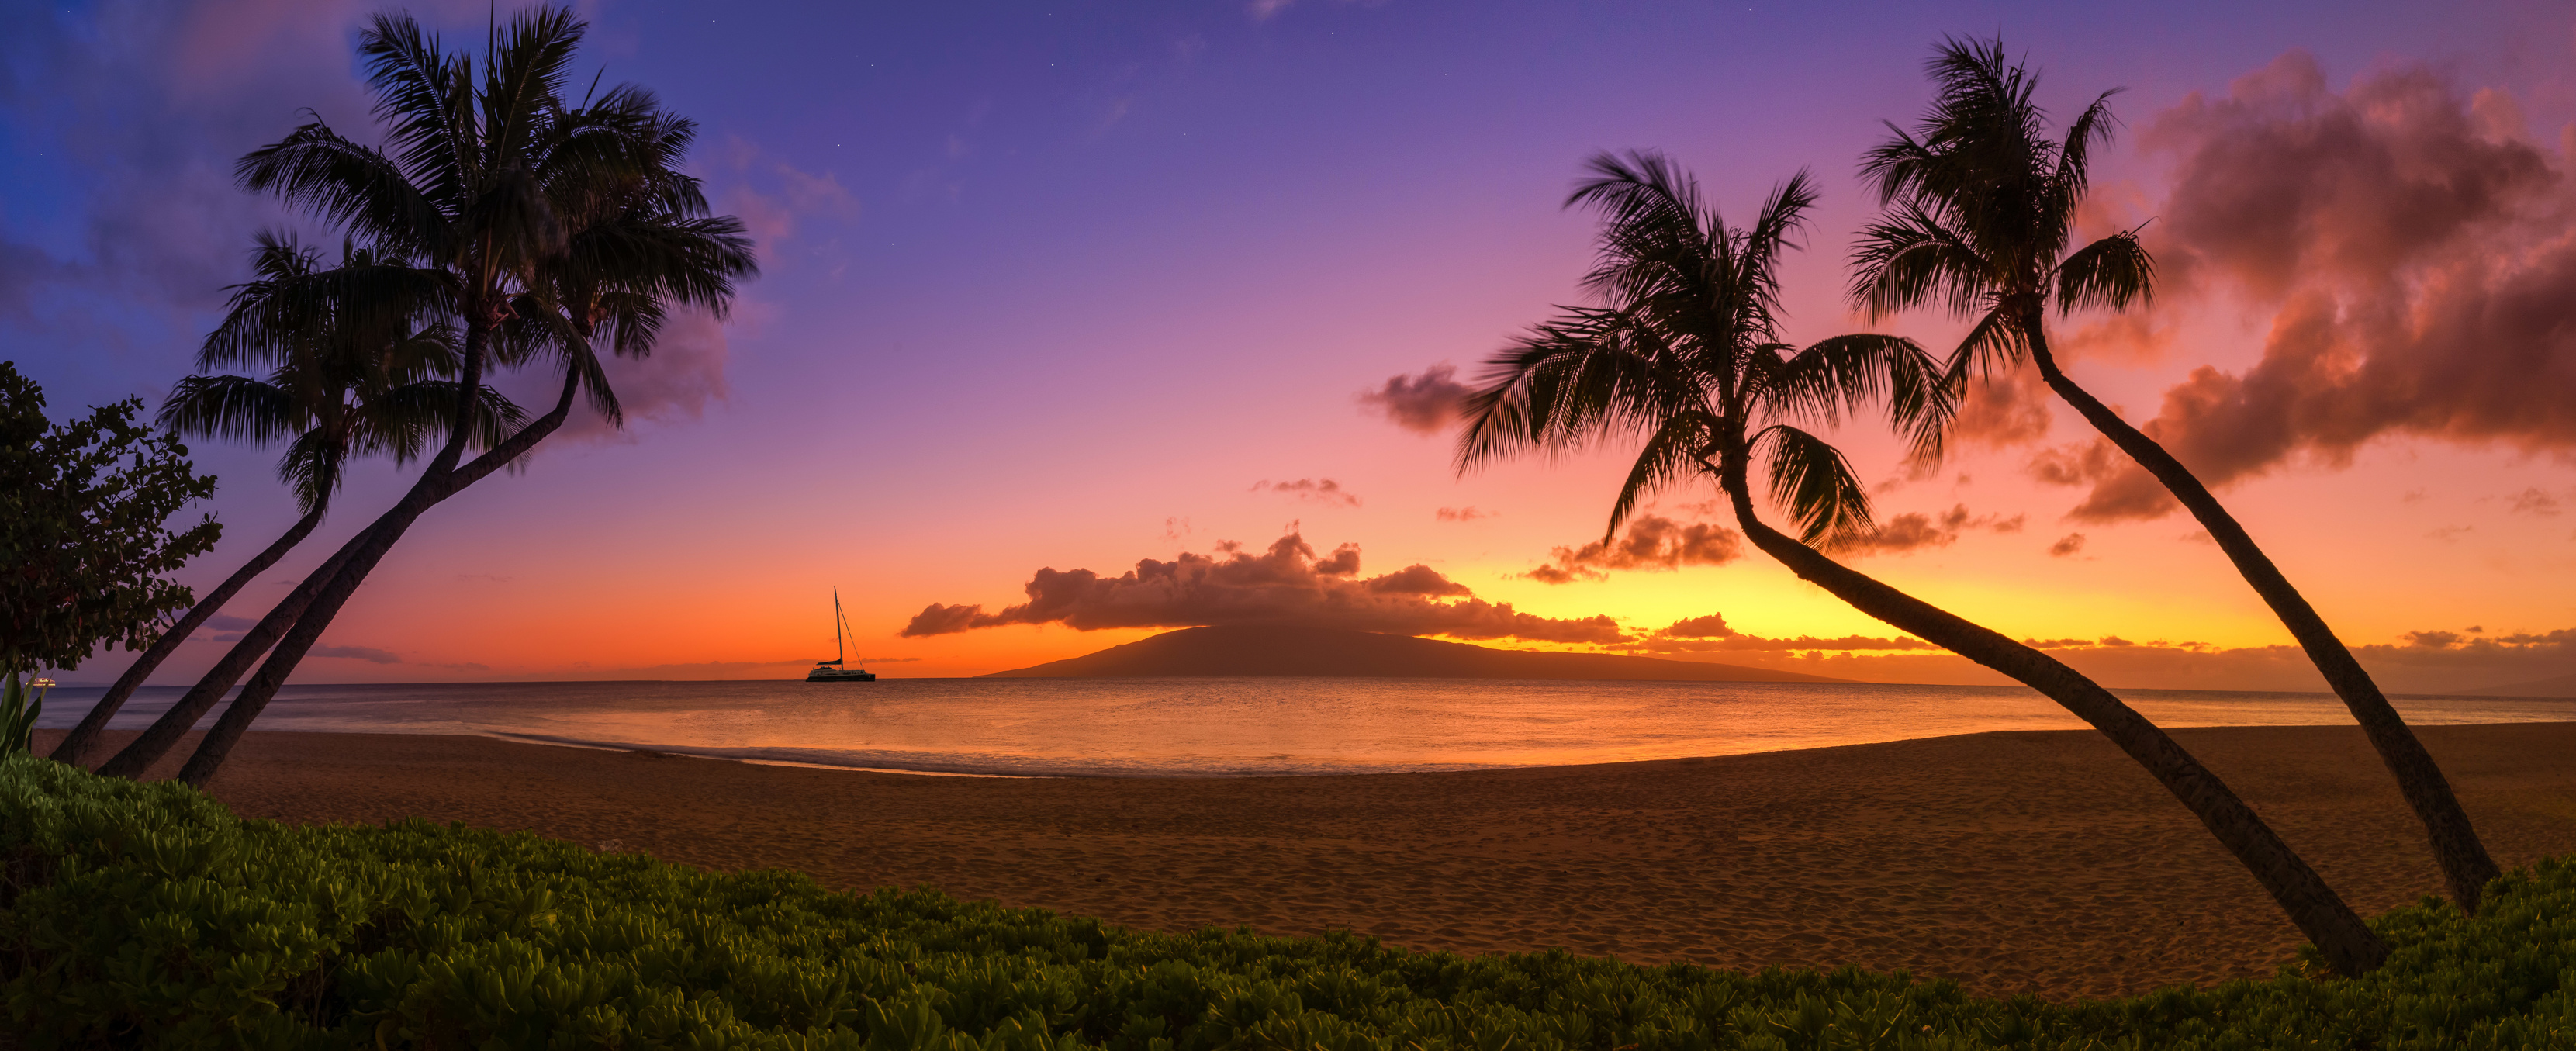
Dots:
pixel 1203 727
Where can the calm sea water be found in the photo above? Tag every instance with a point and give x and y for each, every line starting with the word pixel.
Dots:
pixel 1220 727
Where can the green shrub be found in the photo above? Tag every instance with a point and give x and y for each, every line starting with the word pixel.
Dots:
pixel 148 916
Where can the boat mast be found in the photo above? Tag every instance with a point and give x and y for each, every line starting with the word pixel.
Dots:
pixel 840 625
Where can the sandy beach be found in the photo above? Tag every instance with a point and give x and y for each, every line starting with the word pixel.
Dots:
pixel 2041 862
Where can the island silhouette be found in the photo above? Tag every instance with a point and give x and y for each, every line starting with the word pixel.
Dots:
pixel 1264 650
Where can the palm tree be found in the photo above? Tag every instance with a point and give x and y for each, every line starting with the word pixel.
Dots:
pixel 561 222
pixel 351 374
pixel 1981 207
pixel 462 190
pixel 1686 354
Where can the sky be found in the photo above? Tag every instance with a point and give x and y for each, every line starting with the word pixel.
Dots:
pixel 1078 322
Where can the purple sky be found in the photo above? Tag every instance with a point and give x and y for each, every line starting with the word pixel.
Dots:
pixel 1058 284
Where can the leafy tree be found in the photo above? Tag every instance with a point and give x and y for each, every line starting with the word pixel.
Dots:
pixel 1686 353
pixel 1981 207
pixel 504 186
pixel 84 530
pixel 352 352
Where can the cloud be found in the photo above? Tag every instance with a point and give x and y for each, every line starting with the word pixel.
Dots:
pixel 1423 404
pixel 1712 626
pixel 1999 411
pixel 2404 667
pixel 2066 545
pixel 2419 662
pixel 2415 248
pixel 1914 531
pixel 1462 514
pixel 1312 490
pixel 362 653
pixel 139 109
pixel 1653 542
pixel 2532 501
pixel 1281 585
pixel 793 196
pixel 1711 634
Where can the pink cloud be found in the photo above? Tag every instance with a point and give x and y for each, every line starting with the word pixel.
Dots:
pixel 2418 250
pixel 1284 584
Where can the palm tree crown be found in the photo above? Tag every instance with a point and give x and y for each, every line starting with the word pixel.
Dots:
pixel 1981 206
pixel 1688 356
pixel 353 352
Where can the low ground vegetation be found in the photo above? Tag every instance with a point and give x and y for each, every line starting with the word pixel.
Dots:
pixel 148 916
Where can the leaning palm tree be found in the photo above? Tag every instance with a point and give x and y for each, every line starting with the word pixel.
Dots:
pixel 353 370
pixel 638 239
pixel 1685 354
pixel 1981 209
pixel 465 188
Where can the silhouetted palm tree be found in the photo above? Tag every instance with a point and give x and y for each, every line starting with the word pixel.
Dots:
pixel 1685 355
pixel 352 352
pixel 1981 209
pixel 557 221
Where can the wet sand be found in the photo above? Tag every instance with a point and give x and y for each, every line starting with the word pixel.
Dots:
pixel 2028 861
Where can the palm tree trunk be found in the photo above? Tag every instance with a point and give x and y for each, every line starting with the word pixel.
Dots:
pixel 76 748
pixel 157 739
pixel 165 732
pixel 368 549
pixel 2348 943
pixel 2466 867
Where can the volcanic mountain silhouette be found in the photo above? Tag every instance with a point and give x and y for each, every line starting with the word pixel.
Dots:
pixel 1245 650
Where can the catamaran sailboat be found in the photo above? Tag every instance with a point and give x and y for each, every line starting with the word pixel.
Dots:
pixel 838 669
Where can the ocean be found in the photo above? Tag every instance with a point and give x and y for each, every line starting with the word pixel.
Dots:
pixel 1236 727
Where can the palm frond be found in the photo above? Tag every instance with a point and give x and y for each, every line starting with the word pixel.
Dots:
pixel 311 467
pixel 1996 343
pixel 630 321
pixel 2068 182
pixel 2112 273
pixel 1774 232
pixel 523 81
pixel 425 98
pixel 233 408
pixel 1587 377
pixel 402 421
pixel 1814 484
pixel 1907 258
pixel 1844 374
pixel 1672 455
pixel 351 185
pixel 1652 242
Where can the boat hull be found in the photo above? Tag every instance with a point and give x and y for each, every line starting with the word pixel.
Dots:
pixel 836 675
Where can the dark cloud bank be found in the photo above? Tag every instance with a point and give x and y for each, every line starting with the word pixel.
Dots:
pixel 1285 584
pixel 1423 404
pixel 1289 583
